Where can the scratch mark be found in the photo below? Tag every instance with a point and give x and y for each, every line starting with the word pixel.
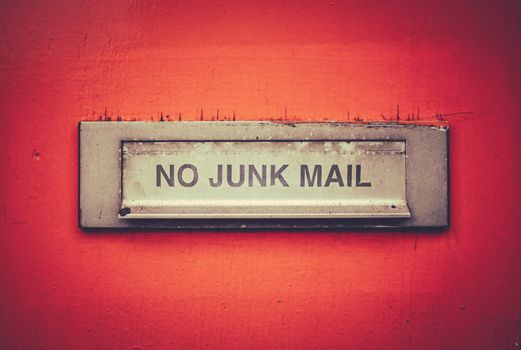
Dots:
pixel 440 116
pixel 36 155
pixel 106 117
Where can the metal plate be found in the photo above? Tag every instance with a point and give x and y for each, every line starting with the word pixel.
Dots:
pixel 263 179
pixel 102 173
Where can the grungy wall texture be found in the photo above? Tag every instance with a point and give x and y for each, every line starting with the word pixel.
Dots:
pixel 66 61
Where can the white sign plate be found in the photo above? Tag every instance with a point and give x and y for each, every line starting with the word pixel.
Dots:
pixel 263 179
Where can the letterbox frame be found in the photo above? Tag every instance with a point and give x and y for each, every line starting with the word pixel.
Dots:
pixel 100 169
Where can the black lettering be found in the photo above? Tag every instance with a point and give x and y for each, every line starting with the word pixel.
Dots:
pixel 219 181
pixel 180 178
pixel 349 175
pixel 253 171
pixel 334 176
pixel 239 183
pixel 359 182
pixel 305 176
pixel 278 175
pixel 168 177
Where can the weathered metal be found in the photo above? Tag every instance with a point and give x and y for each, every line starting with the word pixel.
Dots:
pixel 274 179
pixel 262 175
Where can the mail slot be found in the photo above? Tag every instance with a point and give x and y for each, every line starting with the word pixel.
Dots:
pixel 256 174
pixel 263 179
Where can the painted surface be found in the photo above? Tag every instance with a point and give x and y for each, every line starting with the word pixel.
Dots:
pixel 61 62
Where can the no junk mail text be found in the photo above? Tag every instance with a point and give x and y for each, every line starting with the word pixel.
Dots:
pixel 263 175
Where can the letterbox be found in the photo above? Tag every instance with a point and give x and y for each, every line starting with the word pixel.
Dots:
pixel 262 175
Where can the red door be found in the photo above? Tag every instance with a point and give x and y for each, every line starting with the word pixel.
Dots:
pixel 66 61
